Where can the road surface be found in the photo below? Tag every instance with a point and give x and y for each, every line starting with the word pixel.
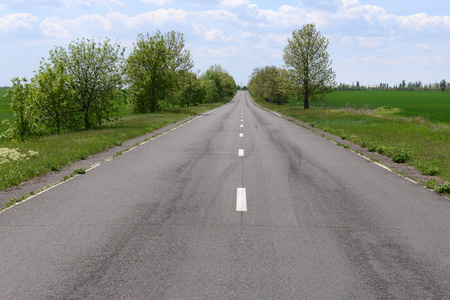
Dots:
pixel 236 204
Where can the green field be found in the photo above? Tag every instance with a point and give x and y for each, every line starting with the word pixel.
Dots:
pixel 431 105
pixel 5 110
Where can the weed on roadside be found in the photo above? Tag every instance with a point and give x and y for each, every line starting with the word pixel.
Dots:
pixel 79 172
pixel 431 183
pixel 400 155
pixel 426 169
pixel 442 188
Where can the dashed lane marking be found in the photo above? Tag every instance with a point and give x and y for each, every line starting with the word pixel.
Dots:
pixel 241 200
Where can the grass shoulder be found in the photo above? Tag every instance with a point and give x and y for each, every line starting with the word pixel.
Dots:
pixel 412 141
pixel 21 161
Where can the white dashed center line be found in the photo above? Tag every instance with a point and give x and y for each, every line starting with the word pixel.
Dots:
pixel 241 200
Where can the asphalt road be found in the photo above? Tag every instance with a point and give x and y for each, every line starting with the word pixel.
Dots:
pixel 236 204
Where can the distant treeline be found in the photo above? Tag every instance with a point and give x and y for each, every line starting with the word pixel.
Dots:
pixel 443 85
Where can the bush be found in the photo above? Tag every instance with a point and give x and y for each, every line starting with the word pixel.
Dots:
pixel 400 156
pixel 442 188
pixel 431 183
pixel 372 148
pixel 427 170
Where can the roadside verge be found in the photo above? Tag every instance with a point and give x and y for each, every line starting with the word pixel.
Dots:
pixel 408 172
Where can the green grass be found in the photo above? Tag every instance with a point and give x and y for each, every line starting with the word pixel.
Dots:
pixel 433 106
pixel 55 152
pixel 424 145
pixel 5 110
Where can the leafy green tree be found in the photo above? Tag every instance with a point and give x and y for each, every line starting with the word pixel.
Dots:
pixel 284 84
pixel 152 69
pixel 20 99
pixel 443 85
pixel 224 82
pixel 272 83
pixel 52 98
pixel 94 69
pixel 306 53
pixel 191 93
pixel 211 90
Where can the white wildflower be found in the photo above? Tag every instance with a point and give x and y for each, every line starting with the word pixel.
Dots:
pixel 7 155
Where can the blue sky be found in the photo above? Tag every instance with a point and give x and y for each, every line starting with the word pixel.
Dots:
pixel 371 41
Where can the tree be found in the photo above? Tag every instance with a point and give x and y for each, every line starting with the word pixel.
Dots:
pixel 224 82
pixel 152 69
pixel 94 70
pixel 211 90
pixel 306 53
pixel 443 85
pixel 191 92
pixel 52 97
pixel 271 83
pixel 20 97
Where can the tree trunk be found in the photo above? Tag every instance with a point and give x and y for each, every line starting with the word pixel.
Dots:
pixel 58 125
pixel 305 101
pixel 86 120
pixel 306 94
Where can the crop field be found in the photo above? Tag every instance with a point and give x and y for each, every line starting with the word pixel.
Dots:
pixel 434 106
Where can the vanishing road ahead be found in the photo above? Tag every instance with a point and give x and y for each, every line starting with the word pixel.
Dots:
pixel 236 204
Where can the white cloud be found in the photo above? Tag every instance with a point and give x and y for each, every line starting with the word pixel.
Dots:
pixel 18 20
pixel 57 4
pixel 60 28
pixel 158 2
pixel 54 27
pixel 371 42
pixel 423 21
pixel 110 3
pixel 364 42
pixel 224 52
pixel 377 60
pixel 347 3
pixel 347 41
pixel 426 60
pixel 234 3
pixel 289 16
pixel 159 17
pixel 424 46
pixel 211 34
pixel 214 16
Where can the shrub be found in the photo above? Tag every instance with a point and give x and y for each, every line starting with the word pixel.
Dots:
pixel 431 183
pixel 442 188
pixel 427 170
pixel 400 156
pixel 79 171
pixel 380 149
pixel 372 148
